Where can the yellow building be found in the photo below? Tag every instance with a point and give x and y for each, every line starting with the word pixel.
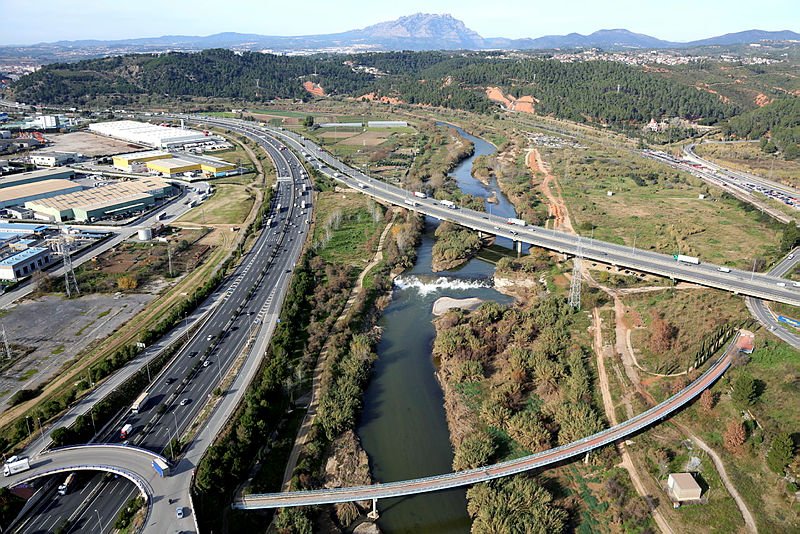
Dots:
pixel 125 161
pixel 216 168
pixel 172 167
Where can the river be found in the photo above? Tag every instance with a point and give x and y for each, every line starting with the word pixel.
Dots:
pixel 403 427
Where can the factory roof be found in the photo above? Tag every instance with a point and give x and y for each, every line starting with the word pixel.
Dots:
pixel 133 156
pixel 22 191
pixel 41 174
pixel 102 196
pixel 22 256
pixel 22 228
pixel 171 163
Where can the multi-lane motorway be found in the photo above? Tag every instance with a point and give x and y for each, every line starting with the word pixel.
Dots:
pixel 241 318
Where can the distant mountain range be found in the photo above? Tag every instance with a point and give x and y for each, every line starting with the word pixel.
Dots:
pixel 415 32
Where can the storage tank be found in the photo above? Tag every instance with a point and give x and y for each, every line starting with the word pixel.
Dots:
pixel 145 234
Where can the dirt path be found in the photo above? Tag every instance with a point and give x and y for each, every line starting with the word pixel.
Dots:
pixel 749 521
pixel 602 351
pixel 311 412
pixel 556 207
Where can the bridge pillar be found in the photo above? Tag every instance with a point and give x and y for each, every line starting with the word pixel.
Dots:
pixel 480 235
pixel 373 515
pixel 518 246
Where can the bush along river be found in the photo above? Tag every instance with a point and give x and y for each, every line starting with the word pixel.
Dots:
pixel 403 427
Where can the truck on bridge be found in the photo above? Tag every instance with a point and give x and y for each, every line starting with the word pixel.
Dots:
pixel 420 194
pixel 516 222
pixel 687 259
pixel 160 467
pixel 15 465
pixel 410 202
pixel 125 431
pixel 449 204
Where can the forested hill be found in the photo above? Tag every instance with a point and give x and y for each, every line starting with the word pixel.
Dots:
pixel 598 92
pixel 777 124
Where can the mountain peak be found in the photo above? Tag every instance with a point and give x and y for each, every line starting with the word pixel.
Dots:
pixel 443 28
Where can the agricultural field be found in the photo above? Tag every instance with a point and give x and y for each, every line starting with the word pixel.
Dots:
pixel 748 157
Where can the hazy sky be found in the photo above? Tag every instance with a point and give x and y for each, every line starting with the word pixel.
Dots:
pixel 30 22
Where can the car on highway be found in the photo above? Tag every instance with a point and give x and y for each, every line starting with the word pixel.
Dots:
pixel 193 354
pixel 170 380
pixel 206 363
pixel 184 402
pixel 179 512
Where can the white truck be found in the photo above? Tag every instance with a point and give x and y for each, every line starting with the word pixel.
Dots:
pixel 449 204
pixel 125 431
pixel 724 269
pixel 302 204
pixel 139 403
pixel 420 194
pixel 410 202
pixel 15 465
pixel 517 222
pixel 687 259
pixel 64 488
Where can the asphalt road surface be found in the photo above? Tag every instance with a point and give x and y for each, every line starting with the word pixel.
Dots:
pixel 252 298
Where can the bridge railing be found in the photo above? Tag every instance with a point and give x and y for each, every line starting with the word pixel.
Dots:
pixel 509 467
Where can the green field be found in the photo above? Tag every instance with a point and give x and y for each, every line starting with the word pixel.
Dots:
pixel 230 204
pixel 353 239
pixel 658 208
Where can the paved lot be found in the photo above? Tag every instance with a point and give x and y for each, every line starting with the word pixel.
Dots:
pixel 89 144
pixel 57 329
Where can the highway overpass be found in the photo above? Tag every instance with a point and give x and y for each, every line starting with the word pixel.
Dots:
pixel 740 282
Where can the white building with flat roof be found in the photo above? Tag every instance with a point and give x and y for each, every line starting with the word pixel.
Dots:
pixel 144 133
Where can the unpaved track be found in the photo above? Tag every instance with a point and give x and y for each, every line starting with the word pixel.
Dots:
pixel 556 206
pixel 608 405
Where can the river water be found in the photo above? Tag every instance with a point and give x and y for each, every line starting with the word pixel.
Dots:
pixel 403 427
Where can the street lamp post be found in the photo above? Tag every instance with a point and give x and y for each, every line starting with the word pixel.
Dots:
pixel 28 421
pixel 40 425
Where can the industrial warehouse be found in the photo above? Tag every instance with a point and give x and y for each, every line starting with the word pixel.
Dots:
pixel 151 135
pixel 166 164
pixel 114 201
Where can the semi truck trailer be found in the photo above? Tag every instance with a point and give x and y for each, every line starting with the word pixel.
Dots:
pixel 16 465
pixel 687 259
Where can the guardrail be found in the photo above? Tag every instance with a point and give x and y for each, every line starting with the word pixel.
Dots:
pixel 510 467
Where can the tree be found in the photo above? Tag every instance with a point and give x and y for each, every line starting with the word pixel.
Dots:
pixel 526 428
pixel 476 450
pixel 735 436
pixel 780 452
pixel 308 121
pixel 662 334
pixel 708 400
pixel 744 390
pixel 514 505
pixel 127 282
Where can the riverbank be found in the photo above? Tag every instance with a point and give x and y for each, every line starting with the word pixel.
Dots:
pixel 445 304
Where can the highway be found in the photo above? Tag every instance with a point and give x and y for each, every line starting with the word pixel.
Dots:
pixel 241 318
pixel 511 467
pixel 759 309
pixel 747 180
pixel 726 278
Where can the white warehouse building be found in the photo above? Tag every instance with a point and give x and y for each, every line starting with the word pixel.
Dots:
pixel 144 133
